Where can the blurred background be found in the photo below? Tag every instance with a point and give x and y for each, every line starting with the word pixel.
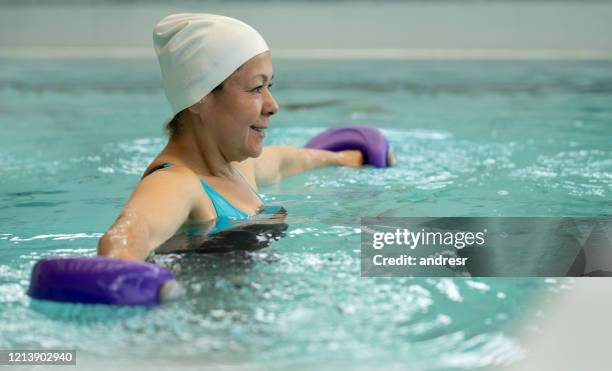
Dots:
pixel 440 29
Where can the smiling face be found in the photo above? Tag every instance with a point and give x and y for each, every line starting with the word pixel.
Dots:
pixel 239 112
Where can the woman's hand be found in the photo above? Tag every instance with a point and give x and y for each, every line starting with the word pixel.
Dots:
pixel 350 158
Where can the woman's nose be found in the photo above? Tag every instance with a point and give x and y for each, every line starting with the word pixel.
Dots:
pixel 270 106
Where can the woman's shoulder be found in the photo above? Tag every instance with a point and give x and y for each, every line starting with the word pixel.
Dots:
pixel 176 180
pixel 163 175
pixel 163 163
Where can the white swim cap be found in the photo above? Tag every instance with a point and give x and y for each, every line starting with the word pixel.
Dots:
pixel 196 52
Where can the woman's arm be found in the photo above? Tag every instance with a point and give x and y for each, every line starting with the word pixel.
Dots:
pixel 157 208
pixel 278 162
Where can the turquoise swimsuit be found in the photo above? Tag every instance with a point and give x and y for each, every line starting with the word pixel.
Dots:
pixel 226 212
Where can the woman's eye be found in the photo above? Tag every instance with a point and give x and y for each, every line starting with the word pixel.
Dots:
pixel 260 87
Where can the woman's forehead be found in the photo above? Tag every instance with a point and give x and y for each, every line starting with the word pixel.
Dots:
pixel 258 67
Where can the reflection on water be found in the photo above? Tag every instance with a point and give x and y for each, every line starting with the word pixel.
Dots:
pixel 238 235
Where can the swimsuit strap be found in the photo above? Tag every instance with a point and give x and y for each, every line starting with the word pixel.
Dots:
pixel 248 184
pixel 161 166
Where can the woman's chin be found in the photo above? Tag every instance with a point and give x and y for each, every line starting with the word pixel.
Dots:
pixel 252 151
pixel 257 151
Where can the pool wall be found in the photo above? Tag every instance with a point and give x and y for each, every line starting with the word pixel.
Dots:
pixel 382 29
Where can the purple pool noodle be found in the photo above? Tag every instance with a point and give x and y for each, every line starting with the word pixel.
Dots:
pixel 97 280
pixel 370 141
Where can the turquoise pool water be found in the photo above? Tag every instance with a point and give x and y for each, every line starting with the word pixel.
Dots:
pixel 472 139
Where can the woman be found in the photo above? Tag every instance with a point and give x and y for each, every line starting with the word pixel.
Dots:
pixel 217 73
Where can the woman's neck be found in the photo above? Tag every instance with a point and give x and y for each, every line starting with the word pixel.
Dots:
pixel 197 151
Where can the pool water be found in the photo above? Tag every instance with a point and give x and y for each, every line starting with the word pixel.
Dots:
pixel 471 139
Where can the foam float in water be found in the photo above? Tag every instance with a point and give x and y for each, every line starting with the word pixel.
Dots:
pixel 101 280
pixel 370 141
